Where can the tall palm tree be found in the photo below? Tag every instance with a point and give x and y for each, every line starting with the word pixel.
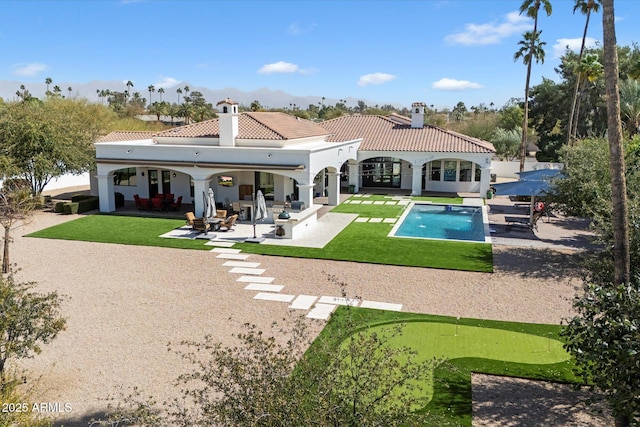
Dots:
pixel 161 91
pixel 151 89
pixel 588 70
pixel 621 262
pixel 179 92
pixel 69 89
pixel 531 48
pixel 616 151
pixel 48 81
pixel 129 86
pixel 531 7
pixel 186 91
pixel 585 7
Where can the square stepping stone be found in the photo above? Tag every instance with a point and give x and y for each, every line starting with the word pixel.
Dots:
pixel 220 243
pixel 263 287
pixel 321 311
pixel 367 202
pixel 353 302
pixel 266 296
pixel 240 257
pixel 254 279
pixel 356 202
pixel 379 202
pixel 381 305
pixel 246 270
pixel 389 220
pixel 361 219
pixel 224 250
pixel 241 264
pixel 390 203
pixel 404 202
pixel 303 302
pixel 375 219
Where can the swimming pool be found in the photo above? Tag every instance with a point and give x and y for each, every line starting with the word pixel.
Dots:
pixel 450 222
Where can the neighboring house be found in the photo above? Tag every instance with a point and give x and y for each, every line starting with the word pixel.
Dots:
pixel 239 153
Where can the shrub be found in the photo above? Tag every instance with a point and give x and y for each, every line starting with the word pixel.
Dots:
pixel 71 208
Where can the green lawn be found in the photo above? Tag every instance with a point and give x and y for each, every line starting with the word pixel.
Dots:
pixel 359 242
pixel 470 345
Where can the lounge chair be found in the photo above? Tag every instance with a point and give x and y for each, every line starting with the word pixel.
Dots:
pixel 190 217
pixel 229 222
pixel 221 214
pixel 201 225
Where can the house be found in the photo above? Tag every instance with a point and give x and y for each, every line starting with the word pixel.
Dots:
pixel 404 153
pixel 282 155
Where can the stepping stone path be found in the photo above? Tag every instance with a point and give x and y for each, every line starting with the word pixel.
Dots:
pixel 318 307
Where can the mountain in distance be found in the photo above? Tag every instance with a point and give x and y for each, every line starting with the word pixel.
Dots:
pixel 268 98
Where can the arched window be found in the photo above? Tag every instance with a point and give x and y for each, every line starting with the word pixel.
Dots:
pixel 224 109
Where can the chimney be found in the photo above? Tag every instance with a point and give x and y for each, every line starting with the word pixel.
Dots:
pixel 417 115
pixel 228 121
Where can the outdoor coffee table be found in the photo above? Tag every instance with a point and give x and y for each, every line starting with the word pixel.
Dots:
pixel 215 223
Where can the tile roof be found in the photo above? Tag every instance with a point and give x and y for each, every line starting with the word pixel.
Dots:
pixel 254 125
pixel 123 135
pixel 394 133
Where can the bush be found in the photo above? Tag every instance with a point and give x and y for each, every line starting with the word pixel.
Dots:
pixel 71 208
pixel 59 207
pixel 87 204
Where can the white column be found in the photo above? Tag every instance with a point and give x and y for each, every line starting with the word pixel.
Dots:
pixel 485 179
pixel 305 194
pixel 334 188
pixel 354 174
pixel 416 179
pixel 200 187
pixel 106 193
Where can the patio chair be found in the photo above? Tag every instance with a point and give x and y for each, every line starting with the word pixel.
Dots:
pixel 177 205
pixel 201 225
pixel 190 217
pixel 230 222
pixel 141 203
pixel 221 214
pixel 156 203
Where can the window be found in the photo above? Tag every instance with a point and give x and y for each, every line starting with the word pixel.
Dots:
pixel 478 173
pixel 435 167
pixel 125 177
pixel 465 171
pixel 450 169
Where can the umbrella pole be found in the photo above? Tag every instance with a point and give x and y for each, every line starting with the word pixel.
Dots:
pixel 253 215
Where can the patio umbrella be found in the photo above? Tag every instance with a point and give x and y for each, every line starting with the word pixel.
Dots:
pixel 526 188
pixel 209 204
pixel 259 213
pixel 539 175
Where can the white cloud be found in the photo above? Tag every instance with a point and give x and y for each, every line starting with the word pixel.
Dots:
pixel 492 32
pixel 278 67
pixel 561 45
pixel 455 85
pixel 29 70
pixel 375 79
pixel 166 82
pixel 297 29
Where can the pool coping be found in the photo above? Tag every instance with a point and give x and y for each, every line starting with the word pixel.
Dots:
pixel 485 223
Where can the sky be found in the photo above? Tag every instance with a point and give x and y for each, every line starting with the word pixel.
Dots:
pixel 439 52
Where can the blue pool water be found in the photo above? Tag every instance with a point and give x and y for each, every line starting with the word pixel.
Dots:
pixel 452 222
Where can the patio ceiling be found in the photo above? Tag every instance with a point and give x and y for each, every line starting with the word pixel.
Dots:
pixel 178 163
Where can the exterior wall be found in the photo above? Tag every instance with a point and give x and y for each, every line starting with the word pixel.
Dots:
pixel 509 169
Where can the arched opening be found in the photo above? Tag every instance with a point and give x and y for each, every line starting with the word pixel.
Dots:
pixel 381 172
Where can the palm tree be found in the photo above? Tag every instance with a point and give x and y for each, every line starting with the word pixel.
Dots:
pixel 588 71
pixel 186 91
pixel 179 92
pixel 48 81
pixel 531 47
pixel 585 7
pixel 129 86
pixel 630 104
pixel 161 91
pixel 531 7
pixel 151 89
pixel 69 89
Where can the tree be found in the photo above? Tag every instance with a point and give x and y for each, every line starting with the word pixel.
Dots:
pixel 129 85
pixel 16 206
pixel 161 91
pixel 585 7
pixel 69 89
pixel 179 92
pixel 44 140
pixel 531 48
pixel 255 106
pixel 603 338
pixel 630 105
pixel 159 109
pixel 506 143
pixel 28 320
pixel 616 151
pixel 459 111
pixel 151 89
pixel 48 81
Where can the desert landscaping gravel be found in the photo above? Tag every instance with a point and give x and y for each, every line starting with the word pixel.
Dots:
pixel 124 304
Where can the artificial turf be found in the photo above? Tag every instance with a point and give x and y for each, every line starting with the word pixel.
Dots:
pixel 523 350
pixel 358 242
